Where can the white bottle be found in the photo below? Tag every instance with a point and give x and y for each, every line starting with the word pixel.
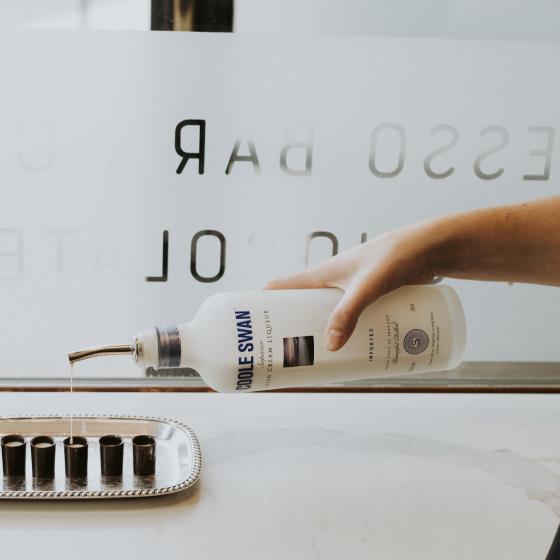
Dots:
pixel 253 341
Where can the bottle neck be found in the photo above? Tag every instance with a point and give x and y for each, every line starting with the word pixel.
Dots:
pixel 159 348
pixel 169 347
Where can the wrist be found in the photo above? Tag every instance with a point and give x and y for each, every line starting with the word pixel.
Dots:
pixel 443 241
pixel 462 245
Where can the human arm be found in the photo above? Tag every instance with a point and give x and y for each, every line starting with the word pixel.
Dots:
pixel 514 243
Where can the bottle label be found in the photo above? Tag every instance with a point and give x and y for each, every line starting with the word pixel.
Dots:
pixel 278 338
pixel 245 348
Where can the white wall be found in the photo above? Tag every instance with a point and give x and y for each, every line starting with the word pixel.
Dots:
pixel 481 19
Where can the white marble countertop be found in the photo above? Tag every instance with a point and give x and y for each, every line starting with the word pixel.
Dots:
pixel 328 476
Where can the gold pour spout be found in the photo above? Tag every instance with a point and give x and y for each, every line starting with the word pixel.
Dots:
pixel 114 350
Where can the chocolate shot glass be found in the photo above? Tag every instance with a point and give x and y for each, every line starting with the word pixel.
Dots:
pixel 43 449
pixel 76 457
pixel 13 455
pixel 111 448
pixel 144 455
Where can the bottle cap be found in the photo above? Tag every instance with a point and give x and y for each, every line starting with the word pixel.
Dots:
pixel 43 449
pixel 76 457
pixel 144 455
pixel 111 448
pixel 13 455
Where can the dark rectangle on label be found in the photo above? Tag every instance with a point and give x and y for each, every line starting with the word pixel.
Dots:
pixel 298 351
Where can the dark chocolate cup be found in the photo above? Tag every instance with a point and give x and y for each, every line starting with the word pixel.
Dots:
pixel 144 455
pixel 76 458
pixel 111 452
pixel 13 455
pixel 43 450
pixel 44 484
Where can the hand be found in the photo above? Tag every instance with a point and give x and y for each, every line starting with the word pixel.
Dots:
pixel 365 273
pixel 516 243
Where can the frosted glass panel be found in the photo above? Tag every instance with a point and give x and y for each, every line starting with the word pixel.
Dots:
pixel 107 226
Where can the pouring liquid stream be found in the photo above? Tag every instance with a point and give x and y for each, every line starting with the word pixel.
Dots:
pixel 71 403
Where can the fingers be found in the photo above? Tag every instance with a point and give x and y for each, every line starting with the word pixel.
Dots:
pixel 344 317
pixel 341 325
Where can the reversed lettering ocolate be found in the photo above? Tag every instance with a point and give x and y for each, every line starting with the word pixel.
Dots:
pixel 244 346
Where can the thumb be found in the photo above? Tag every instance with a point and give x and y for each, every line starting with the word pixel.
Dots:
pixel 343 319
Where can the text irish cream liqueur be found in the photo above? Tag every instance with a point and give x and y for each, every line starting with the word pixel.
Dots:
pixel 253 341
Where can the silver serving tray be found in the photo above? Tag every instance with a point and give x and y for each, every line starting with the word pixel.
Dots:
pixel 178 457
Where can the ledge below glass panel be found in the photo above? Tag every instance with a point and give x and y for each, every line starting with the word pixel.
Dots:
pixel 495 377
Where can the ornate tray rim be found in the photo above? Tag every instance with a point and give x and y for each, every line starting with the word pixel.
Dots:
pixel 108 494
